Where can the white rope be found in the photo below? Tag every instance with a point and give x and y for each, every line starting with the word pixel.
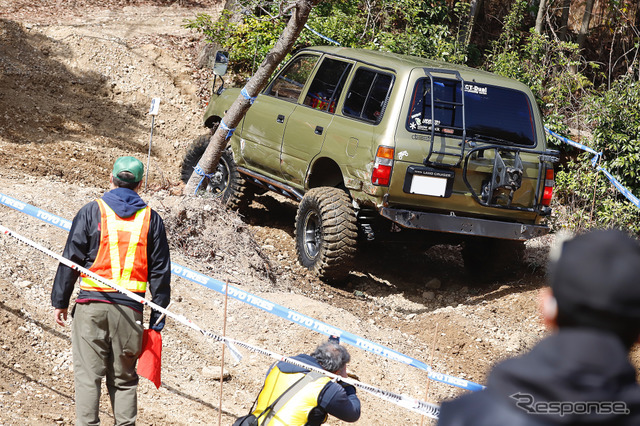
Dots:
pixel 418 406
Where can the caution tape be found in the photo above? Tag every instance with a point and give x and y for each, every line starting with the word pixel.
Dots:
pixel 594 163
pixel 415 405
pixel 180 318
pixel 268 306
pixel 412 404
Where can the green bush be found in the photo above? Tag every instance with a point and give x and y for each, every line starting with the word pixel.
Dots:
pixel 547 65
pixel 585 198
pixel 414 27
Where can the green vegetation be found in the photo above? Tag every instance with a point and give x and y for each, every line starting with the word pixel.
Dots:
pixel 589 94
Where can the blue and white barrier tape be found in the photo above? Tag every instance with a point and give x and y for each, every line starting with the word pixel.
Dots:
pixel 321 36
pixel 305 25
pixel 265 305
pixel 246 95
pixel 632 198
pixel 229 130
pixel 200 172
pixel 35 212
pixel 594 163
pixel 416 405
pixel 413 404
pixel 572 143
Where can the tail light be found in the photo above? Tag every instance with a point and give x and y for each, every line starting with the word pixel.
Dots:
pixel 547 193
pixel 382 166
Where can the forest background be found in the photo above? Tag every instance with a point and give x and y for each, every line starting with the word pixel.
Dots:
pixel 581 58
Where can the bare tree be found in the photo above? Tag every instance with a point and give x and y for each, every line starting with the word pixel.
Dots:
pixel 564 20
pixel 586 20
pixel 542 9
pixel 474 11
pixel 300 13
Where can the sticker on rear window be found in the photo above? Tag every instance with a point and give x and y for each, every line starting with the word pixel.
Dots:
pixel 472 88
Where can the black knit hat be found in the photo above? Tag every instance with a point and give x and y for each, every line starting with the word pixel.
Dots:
pixel 596 283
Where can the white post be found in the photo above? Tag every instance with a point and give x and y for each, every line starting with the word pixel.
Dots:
pixel 153 111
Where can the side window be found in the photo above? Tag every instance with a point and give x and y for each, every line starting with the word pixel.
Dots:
pixel 289 83
pixel 327 85
pixel 368 94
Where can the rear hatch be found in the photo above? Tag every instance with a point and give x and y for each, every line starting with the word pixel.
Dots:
pixel 471 145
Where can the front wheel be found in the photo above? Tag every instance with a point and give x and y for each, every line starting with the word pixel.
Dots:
pixel 326 233
pixel 225 182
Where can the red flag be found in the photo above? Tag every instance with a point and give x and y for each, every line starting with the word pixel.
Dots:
pixel 150 361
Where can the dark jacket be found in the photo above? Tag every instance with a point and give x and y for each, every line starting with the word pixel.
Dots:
pixel 82 247
pixel 538 388
pixel 335 399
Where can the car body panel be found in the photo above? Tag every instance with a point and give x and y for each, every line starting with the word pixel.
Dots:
pixel 300 144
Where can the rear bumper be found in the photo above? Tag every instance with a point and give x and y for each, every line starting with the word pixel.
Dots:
pixel 463 225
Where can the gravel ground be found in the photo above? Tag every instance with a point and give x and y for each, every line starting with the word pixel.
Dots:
pixel 76 81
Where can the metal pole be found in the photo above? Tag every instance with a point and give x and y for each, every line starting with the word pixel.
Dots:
pixel 595 188
pixel 433 349
pixel 224 334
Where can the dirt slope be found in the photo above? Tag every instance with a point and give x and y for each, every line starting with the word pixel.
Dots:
pixel 76 81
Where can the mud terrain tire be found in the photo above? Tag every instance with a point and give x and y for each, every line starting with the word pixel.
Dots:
pixel 227 182
pixel 326 233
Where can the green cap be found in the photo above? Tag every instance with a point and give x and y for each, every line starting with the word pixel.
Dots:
pixel 131 165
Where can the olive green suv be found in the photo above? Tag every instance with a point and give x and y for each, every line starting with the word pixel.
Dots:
pixel 378 146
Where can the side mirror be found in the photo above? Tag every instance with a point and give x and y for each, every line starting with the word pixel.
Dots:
pixel 221 63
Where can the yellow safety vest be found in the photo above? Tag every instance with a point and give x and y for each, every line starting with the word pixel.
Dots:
pixel 296 411
pixel 122 253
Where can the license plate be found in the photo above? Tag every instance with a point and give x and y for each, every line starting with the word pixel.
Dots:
pixel 428 181
pixel 428 185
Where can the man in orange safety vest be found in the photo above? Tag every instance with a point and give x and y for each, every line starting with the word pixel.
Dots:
pixel 123 240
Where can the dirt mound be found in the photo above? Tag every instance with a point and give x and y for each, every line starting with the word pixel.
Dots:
pixel 203 229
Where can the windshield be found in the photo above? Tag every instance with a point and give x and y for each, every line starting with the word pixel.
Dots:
pixel 492 114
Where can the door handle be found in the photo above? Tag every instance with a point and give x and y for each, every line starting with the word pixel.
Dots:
pixel 280 118
pixel 319 130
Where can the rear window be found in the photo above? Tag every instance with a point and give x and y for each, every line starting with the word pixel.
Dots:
pixel 493 114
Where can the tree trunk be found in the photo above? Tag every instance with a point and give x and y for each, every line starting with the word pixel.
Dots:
pixel 240 106
pixel 586 19
pixel 236 10
pixel 207 53
pixel 564 20
pixel 542 9
pixel 474 9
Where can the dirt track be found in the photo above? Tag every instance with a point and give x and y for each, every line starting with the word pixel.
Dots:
pixel 75 86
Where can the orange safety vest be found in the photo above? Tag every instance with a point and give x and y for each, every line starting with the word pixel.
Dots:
pixel 122 253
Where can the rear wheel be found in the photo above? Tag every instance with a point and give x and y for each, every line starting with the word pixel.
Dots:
pixel 225 182
pixel 326 233
pixel 487 259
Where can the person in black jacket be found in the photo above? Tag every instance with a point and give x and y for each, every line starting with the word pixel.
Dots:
pixel 315 399
pixel 580 374
pixel 119 238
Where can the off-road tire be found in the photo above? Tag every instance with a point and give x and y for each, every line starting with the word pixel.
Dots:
pixel 326 233
pixel 227 183
pixel 489 259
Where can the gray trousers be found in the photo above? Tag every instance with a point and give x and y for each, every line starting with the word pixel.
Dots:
pixel 106 342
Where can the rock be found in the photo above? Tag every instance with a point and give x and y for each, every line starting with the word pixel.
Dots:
pixel 213 372
pixel 434 283
pixel 428 295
